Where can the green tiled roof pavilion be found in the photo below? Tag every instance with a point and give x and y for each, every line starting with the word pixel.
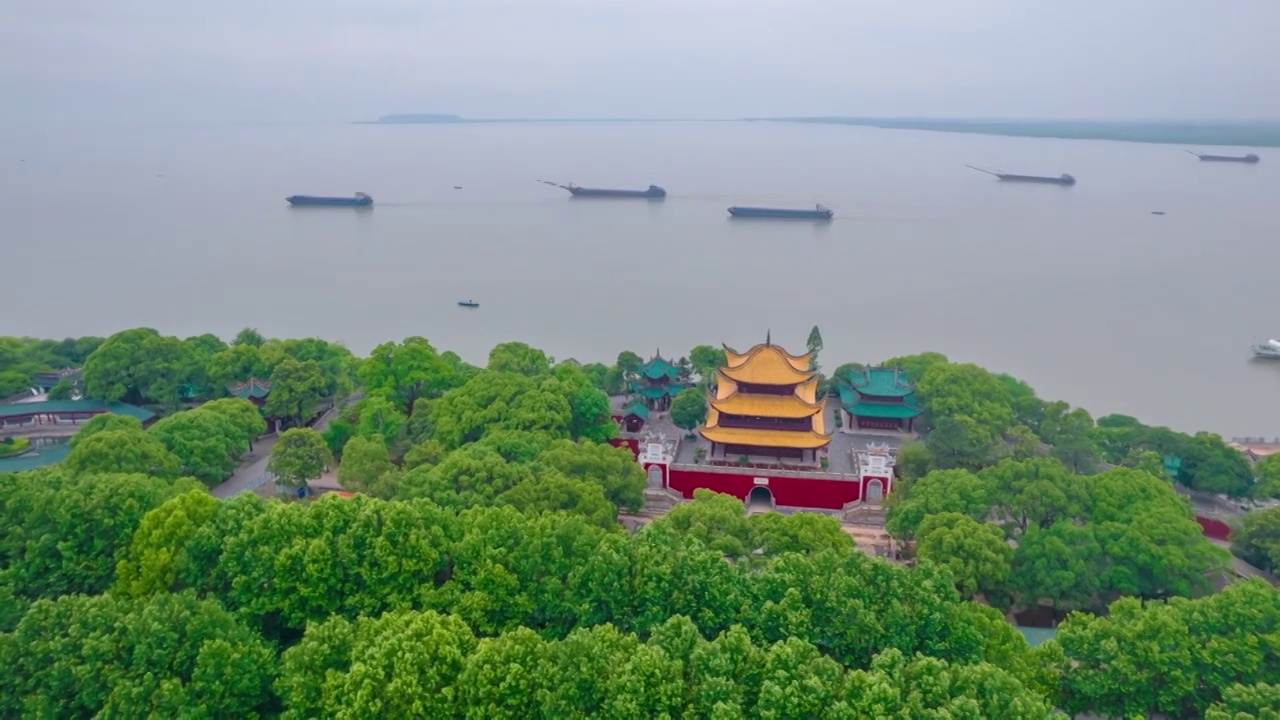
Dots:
pixel 883 396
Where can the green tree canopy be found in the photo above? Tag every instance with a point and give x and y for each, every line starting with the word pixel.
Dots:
pixel 367 468
pixel 1258 540
pixel 975 553
pixel 916 366
pixel 406 371
pixel 62 390
pixel 104 421
pixel 243 414
pixel 493 401
pixel 959 441
pixel 952 390
pixel 589 409
pixel 1268 477
pixel 941 491
pixel 296 389
pixel 382 417
pixel 628 364
pixel 689 409
pixel 207 444
pixel 518 358
pixel 161 656
pixel 139 366
pixel 159 545
pixel 472 476
pixel 403 664
pixel 1061 564
pixel 122 451
pixel 614 470
pixel 551 491
pixel 1247 702
pixel 249 336
pixel 706 359
pixel 61 534
pixel 1176 658
pixel 300 456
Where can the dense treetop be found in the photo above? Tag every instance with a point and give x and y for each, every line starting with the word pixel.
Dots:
pixel 481 570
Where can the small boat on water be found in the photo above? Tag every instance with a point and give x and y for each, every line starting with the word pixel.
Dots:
pixel 358 200
pixel 653 192
pixel 1269 350
pixel 468 303
pixel 1063 179
pixel 818 213
pixel 1205 157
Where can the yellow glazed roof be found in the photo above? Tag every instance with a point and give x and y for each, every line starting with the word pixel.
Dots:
pixel 766 365
pixel 725 387
pixel 776 406
pixel 765 438
pixel 807 391
pixel 734 358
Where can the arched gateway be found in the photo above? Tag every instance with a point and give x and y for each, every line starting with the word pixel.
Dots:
pixel 760 496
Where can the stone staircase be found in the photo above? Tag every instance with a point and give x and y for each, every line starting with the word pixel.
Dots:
pixel 657 502
pixel 856 513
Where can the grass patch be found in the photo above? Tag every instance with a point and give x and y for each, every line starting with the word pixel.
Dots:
pixel 11 446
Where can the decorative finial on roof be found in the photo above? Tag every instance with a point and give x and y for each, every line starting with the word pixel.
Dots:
pixel 767 333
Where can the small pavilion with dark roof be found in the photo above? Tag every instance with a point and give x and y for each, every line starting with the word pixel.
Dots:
pixel 634 415
pixel 880 398
pixel 256 392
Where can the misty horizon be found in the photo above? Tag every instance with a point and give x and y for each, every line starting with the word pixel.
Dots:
pixel 344 61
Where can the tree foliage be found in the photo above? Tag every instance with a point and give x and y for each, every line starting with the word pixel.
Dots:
pixel 297 387
pixel 518 358
pixel 62 534
pixel 122 451
pixel 406 371
pixel 1176 658
pixel 162 656
pixel 104 421
pixel 1081 541
pixel 975 553
pixel 366 467
pixel 1258 540
pixel 493 401
pixel 613 470
pixel 139 366
pixel 21 358
pixel 207 444
pixel 706 360
pixel 689 409
pixel 299 457
pixel 243 414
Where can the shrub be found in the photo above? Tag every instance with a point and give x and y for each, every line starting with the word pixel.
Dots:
pixel 11 446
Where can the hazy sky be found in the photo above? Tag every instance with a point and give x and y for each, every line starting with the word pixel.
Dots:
pixel 335 60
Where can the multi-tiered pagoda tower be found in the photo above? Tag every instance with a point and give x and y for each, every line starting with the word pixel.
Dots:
pixel 659 382
pixel 765 404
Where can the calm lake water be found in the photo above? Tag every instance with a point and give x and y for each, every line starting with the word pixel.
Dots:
pixel 1081 291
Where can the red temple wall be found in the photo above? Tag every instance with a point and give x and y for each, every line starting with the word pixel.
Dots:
pixel 631 444
pixel 1215 529
pixel 787 491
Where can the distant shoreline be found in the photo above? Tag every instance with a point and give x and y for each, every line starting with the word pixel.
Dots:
pixel 1260 133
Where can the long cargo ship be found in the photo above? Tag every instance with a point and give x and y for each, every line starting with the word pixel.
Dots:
pixel 1250 158
pixel 818 213
pixel 1063 179
pixel 653 192
pixel 359 200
